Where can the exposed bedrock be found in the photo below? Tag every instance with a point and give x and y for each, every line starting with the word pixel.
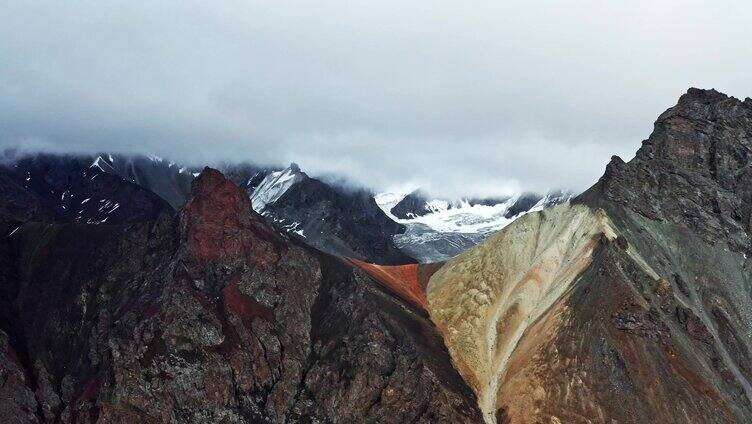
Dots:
pixel 211 316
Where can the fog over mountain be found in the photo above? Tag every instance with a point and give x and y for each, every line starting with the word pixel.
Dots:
pixel 466 100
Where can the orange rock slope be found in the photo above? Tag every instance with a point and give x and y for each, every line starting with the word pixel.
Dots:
pixel 406 281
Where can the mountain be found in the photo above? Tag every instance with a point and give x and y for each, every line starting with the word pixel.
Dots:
pixel 104 187
pixel 336 219
pixel 633 303
pixel 73 189
pixel 168 180
pixel 630 303
pixel 439 229
pixel 340 221
pixel 246 175
pixel 210 316
pixel 412 205
pixel 417 204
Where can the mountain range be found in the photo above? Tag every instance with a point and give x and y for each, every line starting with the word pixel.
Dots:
pixel 134 289
pixel 338 219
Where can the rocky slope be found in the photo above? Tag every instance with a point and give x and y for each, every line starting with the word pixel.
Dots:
pixel 485 300
pixel 166 179
pixel 210 316
pixel 339 221
pixel 633 304
pixel 74 189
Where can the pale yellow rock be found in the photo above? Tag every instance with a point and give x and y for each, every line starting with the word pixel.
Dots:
pixel 484 299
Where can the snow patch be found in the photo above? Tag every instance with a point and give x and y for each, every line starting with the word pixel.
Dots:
pixel 273 186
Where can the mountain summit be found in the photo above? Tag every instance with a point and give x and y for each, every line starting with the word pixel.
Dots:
pixel 692 170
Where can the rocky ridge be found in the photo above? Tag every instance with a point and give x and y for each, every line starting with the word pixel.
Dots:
pixel 211 316
pixel 654 325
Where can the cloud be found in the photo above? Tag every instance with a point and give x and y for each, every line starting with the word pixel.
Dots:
pixel 476 98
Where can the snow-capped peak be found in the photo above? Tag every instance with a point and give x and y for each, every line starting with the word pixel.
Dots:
pixel 102 164
pixel 461 216
pixel 274 185
pixel 438 229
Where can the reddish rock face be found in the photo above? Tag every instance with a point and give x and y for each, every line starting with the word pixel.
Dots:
pixel 219 223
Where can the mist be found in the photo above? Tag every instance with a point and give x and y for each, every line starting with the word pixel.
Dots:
pixel 481 99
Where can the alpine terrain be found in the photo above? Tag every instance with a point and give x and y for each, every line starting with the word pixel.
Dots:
pixel 137 290
pixel 438 229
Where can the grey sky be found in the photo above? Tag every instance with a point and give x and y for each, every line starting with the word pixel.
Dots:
pixel 473 98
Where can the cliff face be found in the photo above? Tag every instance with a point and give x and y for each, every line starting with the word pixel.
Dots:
pixel 692 170
pixel 211 316
pixel 342 222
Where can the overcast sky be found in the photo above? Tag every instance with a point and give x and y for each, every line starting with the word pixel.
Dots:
pixel 461 98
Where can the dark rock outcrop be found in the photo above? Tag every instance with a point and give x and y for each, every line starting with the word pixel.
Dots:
pixel 211 316
pixel 71 189
pixel 523 204
pixel 166 179
pixel 693 170
pixel 339 221
pixel 412 205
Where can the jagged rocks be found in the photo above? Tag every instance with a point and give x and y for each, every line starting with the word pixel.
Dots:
pixel 692 170
pixel 216 317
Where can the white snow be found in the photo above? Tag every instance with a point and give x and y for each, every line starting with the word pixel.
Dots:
pixel 13 232
pixel 450 223
pixel 97 164
pixel 272 187
pixel 85 200
pixel 452 217
pixel 464 218
pixel 102 164
pixel 109 156
pixel 389 200
pixel 251 179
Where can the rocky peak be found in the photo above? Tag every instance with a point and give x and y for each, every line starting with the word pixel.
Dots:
pixel 706 96
pixel 219 223
pixel 693 169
